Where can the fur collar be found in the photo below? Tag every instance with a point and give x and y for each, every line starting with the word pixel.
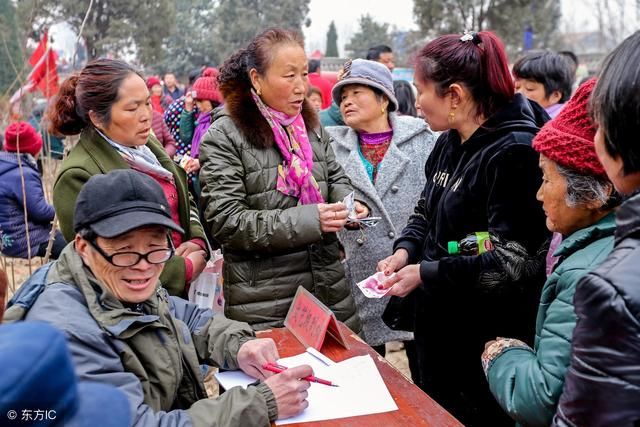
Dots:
pixel 249 121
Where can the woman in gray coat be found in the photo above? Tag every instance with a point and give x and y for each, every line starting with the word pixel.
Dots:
pixel 384 156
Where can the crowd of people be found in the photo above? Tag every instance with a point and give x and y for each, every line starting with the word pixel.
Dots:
pixel 506 229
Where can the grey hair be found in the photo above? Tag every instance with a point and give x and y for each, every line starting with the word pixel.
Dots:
pixel 585 189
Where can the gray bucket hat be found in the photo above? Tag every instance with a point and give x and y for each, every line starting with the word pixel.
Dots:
pixel 368 73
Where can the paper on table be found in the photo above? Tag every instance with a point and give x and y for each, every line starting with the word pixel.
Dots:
pixel 361 391
pixel 316 360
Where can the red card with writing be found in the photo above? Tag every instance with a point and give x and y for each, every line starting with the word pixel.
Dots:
pixel 310 321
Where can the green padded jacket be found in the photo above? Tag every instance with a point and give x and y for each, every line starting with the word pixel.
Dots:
pixel 527 383
pixel 271 245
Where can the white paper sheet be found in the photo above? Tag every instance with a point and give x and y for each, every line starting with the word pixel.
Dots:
pixel 361 391
pixel 315 359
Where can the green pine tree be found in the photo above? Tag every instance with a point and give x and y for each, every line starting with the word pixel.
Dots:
pixel 332 41
pixel 371 33
pixel 10 53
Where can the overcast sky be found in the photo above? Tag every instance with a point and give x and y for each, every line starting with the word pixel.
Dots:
pixel 578 15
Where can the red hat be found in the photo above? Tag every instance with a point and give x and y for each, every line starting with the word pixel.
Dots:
pixel 568 138
pixel 152 81
pixel 206 87
pixel 21 133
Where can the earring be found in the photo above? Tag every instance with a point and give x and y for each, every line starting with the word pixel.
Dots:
pixel 451 118
pixel 382 109
pixel 259 92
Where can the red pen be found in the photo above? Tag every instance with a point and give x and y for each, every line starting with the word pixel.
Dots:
pixel 274 367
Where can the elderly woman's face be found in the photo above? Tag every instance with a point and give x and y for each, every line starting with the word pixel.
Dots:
pixel 130 114
pixel 285 83
pixel 561 218
pixel 361 109
pixel 133 284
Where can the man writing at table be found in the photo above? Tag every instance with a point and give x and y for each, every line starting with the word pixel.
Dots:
pixel 123 328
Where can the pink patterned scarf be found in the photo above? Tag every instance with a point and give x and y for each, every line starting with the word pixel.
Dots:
pixel 294 175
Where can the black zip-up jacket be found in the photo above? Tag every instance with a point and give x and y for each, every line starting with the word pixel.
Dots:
pixel 488 183
pixel 602 385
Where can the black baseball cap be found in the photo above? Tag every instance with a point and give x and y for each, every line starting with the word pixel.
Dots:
pixel 120 201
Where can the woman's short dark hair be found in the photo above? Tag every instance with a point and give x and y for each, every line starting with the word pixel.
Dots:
pixel 234 73
pixel 95 88
pixel 480 64
pixel 314 65
pixel 373 54
pixel 550 69
pixel 406 98
pixel 615 103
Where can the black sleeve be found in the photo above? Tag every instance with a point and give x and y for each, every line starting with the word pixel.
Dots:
pixel 415 232
pixel 515 220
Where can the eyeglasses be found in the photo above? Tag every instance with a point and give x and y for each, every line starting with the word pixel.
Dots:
pixel 128 259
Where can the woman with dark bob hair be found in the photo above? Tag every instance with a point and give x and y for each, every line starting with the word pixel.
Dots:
pixel 602 385
pixel 272 188
pixel 482 176
pixel 108 104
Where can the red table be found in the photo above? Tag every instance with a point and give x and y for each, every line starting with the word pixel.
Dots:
pixel 415 408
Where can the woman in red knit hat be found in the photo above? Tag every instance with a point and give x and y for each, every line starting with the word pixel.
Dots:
pixel 20 189
pixel 193 126
pixel 578 200
pixel 602 385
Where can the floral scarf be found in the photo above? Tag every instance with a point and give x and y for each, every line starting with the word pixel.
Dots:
pixel 295 174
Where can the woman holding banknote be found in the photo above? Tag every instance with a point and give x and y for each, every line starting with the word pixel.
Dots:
pixel 384 155
pixel 272 189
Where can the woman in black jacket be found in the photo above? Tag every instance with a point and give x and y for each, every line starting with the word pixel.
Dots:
pixel 602 386
pixel 481 176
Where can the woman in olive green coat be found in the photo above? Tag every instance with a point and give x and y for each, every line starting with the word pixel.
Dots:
pixel 576 196
pixel 107 103
pixel 271 187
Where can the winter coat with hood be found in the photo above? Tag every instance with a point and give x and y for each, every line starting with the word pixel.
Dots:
pixel 12 201
pixel 527 382
pixel 151 351
pixel 488 183
pixel 399 181
pixel 602 385
pixel 271 244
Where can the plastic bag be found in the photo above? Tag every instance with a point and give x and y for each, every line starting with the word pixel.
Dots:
pixel 206 290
